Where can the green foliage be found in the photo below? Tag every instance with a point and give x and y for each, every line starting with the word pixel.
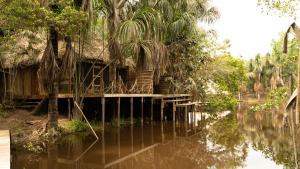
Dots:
pixel 274 99
pixel 274 65
pixel 76 125
pixel 281 7
pixel 33 148
pixel 220 102
pixel 228 73
pixel 30 15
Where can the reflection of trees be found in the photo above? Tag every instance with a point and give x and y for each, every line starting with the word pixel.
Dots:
pixel 230 146
pixel 273 137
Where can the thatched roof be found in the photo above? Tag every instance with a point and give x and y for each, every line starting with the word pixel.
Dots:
pixel 28 48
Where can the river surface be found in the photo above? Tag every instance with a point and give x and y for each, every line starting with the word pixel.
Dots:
pixel 241 139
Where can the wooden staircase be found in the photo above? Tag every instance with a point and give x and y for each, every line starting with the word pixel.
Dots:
pixel 145 82
pixel 28 104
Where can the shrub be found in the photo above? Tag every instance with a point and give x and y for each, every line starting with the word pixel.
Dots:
pixel 76 125
pixel 274 99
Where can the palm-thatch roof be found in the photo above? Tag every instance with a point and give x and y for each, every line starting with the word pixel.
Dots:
pixel 28 48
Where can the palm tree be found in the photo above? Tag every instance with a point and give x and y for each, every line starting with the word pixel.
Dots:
pixel 258 71
pixel 114 11
pixel 49 71
pixel 152 28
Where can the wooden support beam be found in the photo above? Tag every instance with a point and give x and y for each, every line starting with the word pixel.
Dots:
pixel 185 113
pixel 103 147
pixel 162 132
pixel 142 110
pixel 174 111
pixel 69 109
pixel 103 111
pixel 162 110
pixel 151 109
pixel 174 131
pixel 131 110
pixel 118 111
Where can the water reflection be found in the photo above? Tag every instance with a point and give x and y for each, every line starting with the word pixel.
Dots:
pixel 229 142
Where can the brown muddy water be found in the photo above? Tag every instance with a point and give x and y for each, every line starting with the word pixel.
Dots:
pixel 242 139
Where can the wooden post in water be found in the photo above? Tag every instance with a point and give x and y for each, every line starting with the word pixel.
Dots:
pixel 131 110
pixel 103 148
pixel 142 110
pixel 103 111
pixel 174 111
pixel 162 132
pixel 118 111
pixel 185 113
pixel 162 110
pixel 69 109
pixel 151 108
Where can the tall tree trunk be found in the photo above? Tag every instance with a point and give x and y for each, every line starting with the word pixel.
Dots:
pixel 113 19
pixel 52 94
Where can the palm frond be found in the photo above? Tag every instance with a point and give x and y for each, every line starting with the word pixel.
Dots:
pixel 68 61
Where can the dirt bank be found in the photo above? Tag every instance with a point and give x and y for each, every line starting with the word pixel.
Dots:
pixel 23 125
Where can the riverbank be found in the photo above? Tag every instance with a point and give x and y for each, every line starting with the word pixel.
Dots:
pixel 24 126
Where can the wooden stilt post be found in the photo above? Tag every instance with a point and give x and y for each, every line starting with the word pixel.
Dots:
pixel 119 143
pixel 151 108
pixel 162 132
pixel 103 111
pixel 131 110
pixel 143 144
pixel 118 102
pixel 162 110
pixel 174 131
pixel 69 109
pixel 185 113
pixel 103 148
pixel 142 110
pixel 131 136
pixel 174 111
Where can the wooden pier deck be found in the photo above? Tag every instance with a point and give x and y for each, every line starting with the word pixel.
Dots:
pixel 4 149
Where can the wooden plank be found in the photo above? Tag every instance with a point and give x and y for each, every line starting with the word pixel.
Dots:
pixel 156 96
pixel 4 149
pixel 78 107
pixel 177 100
pixel 190 104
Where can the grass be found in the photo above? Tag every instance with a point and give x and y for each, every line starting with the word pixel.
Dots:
pixel 76 125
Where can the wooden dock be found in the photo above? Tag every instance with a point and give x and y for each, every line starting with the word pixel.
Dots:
pixel 4 149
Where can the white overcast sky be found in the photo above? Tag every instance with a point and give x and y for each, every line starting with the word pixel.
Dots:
pixel 249 30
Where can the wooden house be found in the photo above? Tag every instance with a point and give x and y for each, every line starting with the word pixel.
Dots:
pixel 19 78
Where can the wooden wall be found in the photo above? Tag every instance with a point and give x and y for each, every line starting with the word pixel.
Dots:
pixel 25 83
